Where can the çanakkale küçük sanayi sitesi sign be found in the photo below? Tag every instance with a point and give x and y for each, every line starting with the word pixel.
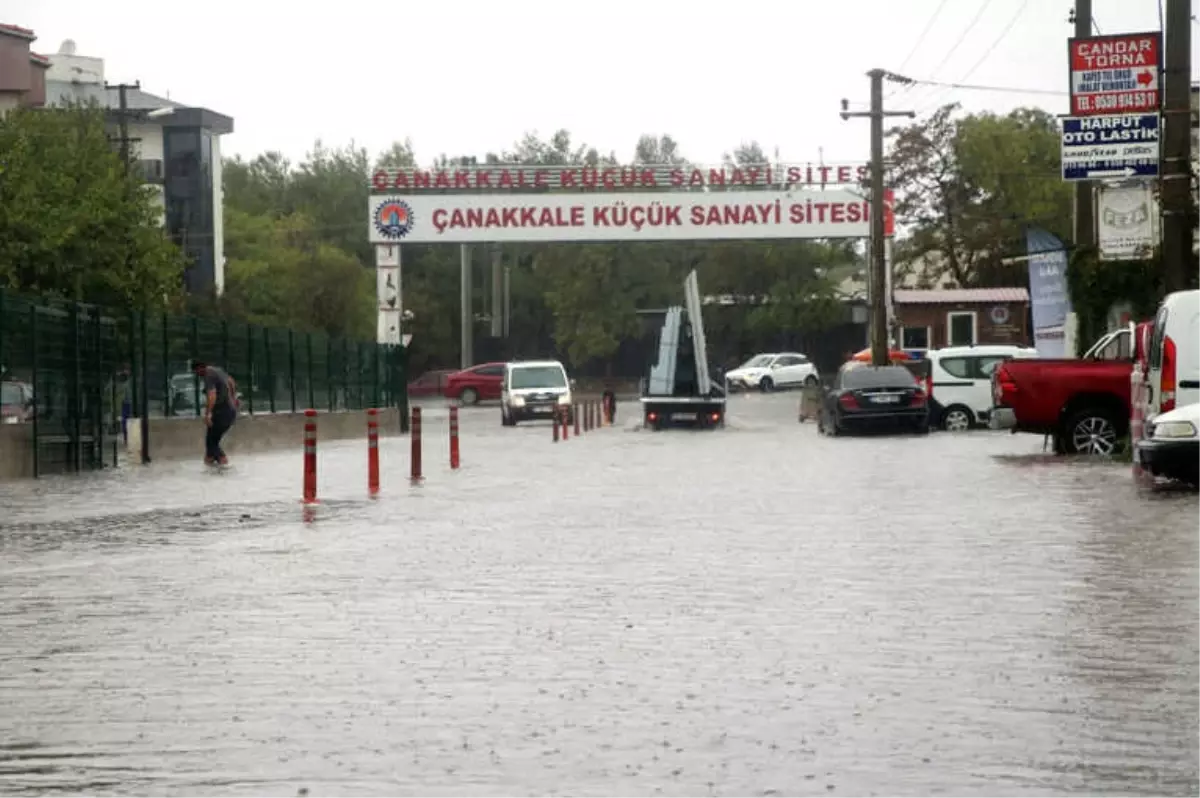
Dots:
pixel 424 219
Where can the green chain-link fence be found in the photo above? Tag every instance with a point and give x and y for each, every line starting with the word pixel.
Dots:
pixel 85 368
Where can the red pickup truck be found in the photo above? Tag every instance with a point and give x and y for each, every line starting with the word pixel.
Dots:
pixel 1083 403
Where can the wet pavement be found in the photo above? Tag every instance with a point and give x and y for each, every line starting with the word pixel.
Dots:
pixel 752 611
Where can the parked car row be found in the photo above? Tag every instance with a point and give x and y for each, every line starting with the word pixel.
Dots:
pixel 1085 404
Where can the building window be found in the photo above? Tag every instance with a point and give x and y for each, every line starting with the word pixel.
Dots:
pixel 914 338
pixel 961 328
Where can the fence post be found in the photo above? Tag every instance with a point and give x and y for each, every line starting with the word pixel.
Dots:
pixel 250 375
pixel 269 370
pixel 3 360
pixel 144 421
pixel 33 381
pixel 346 373
pixel 291 339
pixel 74 398
pixel 168 401
pixel 194 346
pixel 225 364
pixel 329 386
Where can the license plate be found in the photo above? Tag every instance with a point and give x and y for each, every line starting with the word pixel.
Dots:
pixel 886 399
pixel 542 409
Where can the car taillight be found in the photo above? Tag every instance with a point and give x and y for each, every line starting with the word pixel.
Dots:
pixel 919 398
pixel 1166 383
pixel 1004 384
pixel 848 401
pixel 929 385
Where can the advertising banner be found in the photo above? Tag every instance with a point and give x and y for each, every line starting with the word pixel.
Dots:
pixel 1116 74
pixel 1126 222
pixel 1048 299
pixel 652 216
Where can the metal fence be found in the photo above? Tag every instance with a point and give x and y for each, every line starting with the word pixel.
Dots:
pixel 87 368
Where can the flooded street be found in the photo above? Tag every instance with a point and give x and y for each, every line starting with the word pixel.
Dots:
pixel 753 611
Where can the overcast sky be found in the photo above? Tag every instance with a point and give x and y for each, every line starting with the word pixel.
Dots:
pixel 469 76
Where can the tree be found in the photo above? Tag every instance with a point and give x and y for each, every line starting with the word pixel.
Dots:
pixel 968 186
pixel 74 221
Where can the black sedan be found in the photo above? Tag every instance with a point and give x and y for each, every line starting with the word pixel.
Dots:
pixel 874 398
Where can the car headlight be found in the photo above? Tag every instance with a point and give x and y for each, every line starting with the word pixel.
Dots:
pixel 518 401
pixel 10 420
pixel 1174 429
pixel 565 399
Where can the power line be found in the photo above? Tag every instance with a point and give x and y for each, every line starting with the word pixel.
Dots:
pixel 996 43
pixel 962 36
pixel 921 38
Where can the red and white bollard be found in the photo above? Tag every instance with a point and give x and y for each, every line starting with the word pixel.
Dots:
pixel 575 413
pixel 310 456
pixel 554 426
pixel 454 437
pixel 373 452
pixel 415 434
pixel 566 420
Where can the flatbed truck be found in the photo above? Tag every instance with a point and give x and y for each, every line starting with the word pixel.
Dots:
pixel 679 391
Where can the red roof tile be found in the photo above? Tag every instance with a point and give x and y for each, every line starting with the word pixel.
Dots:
pixel 941 296
pixel 40 60
pixel 16 30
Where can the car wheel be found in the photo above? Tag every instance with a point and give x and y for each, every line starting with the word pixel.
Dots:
pixel 1092 431
pixel 811 381
pixel 767 385
pixel 469 396
pixel 957 418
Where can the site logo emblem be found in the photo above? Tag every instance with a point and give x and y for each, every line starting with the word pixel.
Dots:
pixel 393 219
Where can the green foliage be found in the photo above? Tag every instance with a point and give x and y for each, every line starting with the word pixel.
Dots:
pixel 968 186
pixel 73 222
pixel 1096 285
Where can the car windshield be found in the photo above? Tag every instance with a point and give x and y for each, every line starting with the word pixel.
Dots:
pixel 881 377
pixel 538 377
pixel 758 362
pixel 10 393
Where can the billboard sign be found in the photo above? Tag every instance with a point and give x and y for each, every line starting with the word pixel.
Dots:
pixel 1127 222
pixel 642 177
pixel 651 216
pixel 1110 147
pixel 1116 74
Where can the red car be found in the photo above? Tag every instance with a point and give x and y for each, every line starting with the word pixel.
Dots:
pixel 431 383
pixel 478 382
pixel 1083 403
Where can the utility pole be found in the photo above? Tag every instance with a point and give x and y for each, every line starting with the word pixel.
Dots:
pixel 123 142
pixel 1178 262
pixel 497 303
pixel 1085 196
pixel 467 341
pixel 123 138
pixel 879 265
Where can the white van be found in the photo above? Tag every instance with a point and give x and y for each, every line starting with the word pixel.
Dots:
pixel 961 378
pixel 533 389
pixel 1173 360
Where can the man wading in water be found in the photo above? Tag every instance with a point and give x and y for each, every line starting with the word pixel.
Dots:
pixel 220 410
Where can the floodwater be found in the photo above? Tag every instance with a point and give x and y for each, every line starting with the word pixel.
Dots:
pixel 752 611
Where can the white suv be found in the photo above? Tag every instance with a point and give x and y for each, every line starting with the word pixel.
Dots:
pixel 533 389
pixel 773 370
pixel 962 381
